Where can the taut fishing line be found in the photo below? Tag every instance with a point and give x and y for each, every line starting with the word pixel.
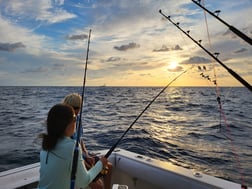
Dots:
pixel 234 74
pixel 217 90
pixel 214 56
pixel 222 113
pixel 118 141
pixel 131 125
pixel 232 28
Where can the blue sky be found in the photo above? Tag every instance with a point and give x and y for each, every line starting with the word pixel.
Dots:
pixel 44 42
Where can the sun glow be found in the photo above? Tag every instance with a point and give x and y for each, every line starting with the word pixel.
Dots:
pixel 172 65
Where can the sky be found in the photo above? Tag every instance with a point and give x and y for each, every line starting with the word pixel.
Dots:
pixel 44 43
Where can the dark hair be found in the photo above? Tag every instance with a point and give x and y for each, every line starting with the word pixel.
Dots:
pixel 59 117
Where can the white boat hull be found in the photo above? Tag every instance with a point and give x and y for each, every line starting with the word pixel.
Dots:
pixel 131 169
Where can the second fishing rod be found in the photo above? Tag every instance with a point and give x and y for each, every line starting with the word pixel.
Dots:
pixel 232 28
pixel 233 73
pixel 141 113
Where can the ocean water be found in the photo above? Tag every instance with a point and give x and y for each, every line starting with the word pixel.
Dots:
pixel 182 126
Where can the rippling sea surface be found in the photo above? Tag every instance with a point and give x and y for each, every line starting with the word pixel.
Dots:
pixel 182 126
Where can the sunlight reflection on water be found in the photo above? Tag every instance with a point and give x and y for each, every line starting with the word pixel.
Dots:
pixel 181 126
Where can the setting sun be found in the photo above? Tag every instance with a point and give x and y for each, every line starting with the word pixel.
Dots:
pixel 172 65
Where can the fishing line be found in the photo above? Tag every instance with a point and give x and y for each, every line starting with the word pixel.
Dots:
pixel 118 141
pixel 233 149
pixel 232 28
pixel 222 114
pixel 233 73
pixel 210 45
pixel 217 90
pixel 76 150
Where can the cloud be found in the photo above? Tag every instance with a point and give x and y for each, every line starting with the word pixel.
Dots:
pixel 144 75
pixel 164 48
pixel 77 37
pixel 56 16
pixel 36 70
pixel 196 60
pixel 127 47
pixel 44 69
pixel 12 33
pixel 241 50
pixel 229 33
pixel 233 35
pixel 11 46
pixel 113 59
pixel 53 32
pixel 176 69
pixel 176 48
pixel 46 11
pixel 59 2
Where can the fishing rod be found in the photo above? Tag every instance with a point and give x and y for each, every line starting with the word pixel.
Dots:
pixel 232 28
pixel 76 150
pixel 233 73
pixel 125 132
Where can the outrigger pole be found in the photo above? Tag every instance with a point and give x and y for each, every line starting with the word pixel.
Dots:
pixel 76 150
pixel 125 132
pixel 233 73
pixel 232 28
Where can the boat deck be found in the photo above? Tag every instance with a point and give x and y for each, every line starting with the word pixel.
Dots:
pixel 131 169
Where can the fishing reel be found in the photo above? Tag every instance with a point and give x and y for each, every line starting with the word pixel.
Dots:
pixel 105 168
pixel 104 171
pixel 102 174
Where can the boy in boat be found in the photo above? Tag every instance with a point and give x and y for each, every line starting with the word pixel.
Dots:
pixel 56 155
pixel 75 100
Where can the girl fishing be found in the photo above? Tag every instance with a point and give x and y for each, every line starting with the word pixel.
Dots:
pixel 56 156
